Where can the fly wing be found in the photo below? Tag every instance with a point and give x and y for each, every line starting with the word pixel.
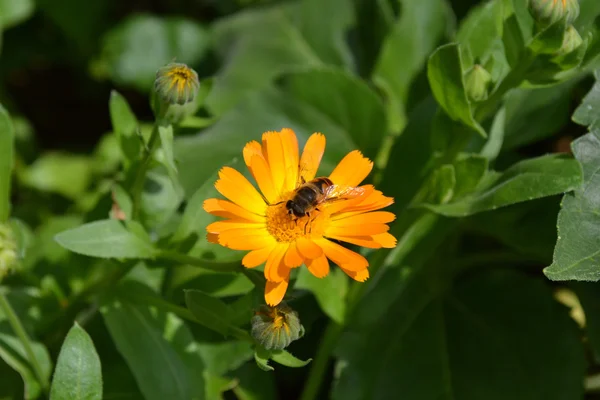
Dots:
pixel 340 192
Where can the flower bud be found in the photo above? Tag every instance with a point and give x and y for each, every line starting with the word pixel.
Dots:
pixel 274 328
pixel 477 83
pixel 547 12
pixel 8 250
pixel 571 41
pixel 176 83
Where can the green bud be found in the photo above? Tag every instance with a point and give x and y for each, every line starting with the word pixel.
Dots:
pixel 571 41
pixel 8 250
pixel 175 90
pixel 477 83
pixel 274 328
pixel 547 12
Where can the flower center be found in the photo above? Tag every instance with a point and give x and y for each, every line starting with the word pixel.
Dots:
pixel 285 227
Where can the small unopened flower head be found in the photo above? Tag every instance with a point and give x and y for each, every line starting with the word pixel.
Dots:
pixel 8 250
pixel 274 328
pixel 477 83
pixel 571 41
pixel 547 12
pixel 176 83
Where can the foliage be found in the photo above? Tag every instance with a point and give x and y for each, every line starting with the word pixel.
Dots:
pixel 110 288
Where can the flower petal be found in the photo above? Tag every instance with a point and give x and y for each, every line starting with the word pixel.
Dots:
pixel 308 248
pixel 319 267
pixel 272 148
pixel 239 190
pixel 292 257
pixel 257 257
pixel 311 156
pixel 356 230
pixel 274 271
pixel 245 239
pixel 346 259
pixel 221 226
pixel 386 240
pixel 359 276
pixel 363 241
pixel 262 174
pixel 212 238
pixel 345 219
pixel 227 209
pixel 352 170
pixel 250 149
pixel 274 291
pixel 290 151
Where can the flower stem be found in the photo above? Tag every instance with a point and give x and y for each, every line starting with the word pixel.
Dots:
pixel 19 330
pixel 140 178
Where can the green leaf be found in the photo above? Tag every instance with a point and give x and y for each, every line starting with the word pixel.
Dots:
pixel 439 186
pixel 527 180
pixel 157 346
pixel 254 384
pixel 13 12
pixel 419 29
pixel 549 40
pixel 262 360
pixel 160 199
pixel 105 239
pixel 6 160
pixel 446 80
pixel 200 155
pixel 287 359
pixel 577 251
pixel 275 46
pixel 493 146
pixel 352 104
pixel 330 291
pixel 78 372
pixel 588 112
pixel 324 26
pixel 209 311
pixel 138 46
pixel 166 142
pixel 125 126
pixel 503 316
pixel 480 31
pixel 66 174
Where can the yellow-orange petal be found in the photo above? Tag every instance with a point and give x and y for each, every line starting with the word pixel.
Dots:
pixel 352 170
pixel 250 149
pixel 212 238
pixel 227 209
pixel 359 276
pixel 245 239
pixel 345 219
pixel 363 241
pixel 373 201
pixel 356 230
pixel 346 259
pixel 239 190
pixel 272 148
pixel 387 240
pixel 292 257
pixel 308 248
pixel 319 267
pixel 291 158
pixel 262 175
pixel 275 268
pixel 311 156
pixel 257 257
pixel 221 226
pixel 274 291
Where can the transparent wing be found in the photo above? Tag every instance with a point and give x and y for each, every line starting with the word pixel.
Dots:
pixel 305 169
pixel 340 192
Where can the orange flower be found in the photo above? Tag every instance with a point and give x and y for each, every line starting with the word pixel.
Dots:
pixel 263 225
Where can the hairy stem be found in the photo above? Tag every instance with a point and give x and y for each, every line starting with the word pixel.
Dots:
pixel 140 177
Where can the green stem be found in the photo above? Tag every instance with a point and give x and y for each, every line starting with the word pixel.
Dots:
pixel 19 330
pixel 140 178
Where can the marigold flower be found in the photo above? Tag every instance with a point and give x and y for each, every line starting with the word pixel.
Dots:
pixel 263 225
pixel 176 83
pixel 276 327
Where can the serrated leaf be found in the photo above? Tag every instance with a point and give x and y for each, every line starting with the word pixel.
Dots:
pixel 445 74
pixel 526 180
pixel 105 239
pixel 577 251
pixel 6 162
pixel 78 373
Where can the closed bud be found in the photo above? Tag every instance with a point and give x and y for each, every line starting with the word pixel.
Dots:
pixel 571 41
pixel 547 12
pixel 477 83
pixel 274 328
pixel 176 83
pixel 8 250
